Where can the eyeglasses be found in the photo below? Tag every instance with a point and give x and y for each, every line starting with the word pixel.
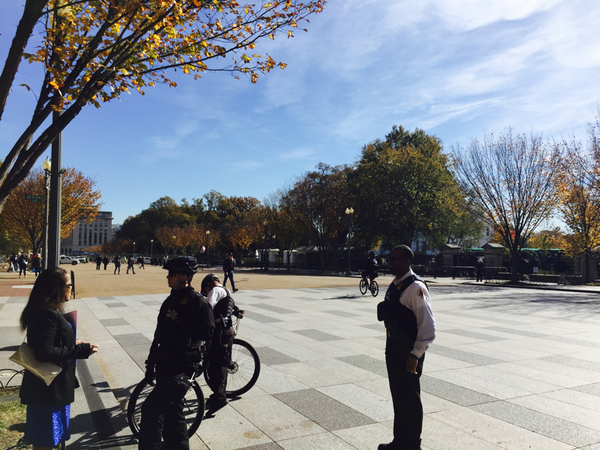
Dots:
pixel 172 274
pixel 69 285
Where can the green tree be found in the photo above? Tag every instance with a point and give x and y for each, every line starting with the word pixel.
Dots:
pixel 317 202
pixel 403 191
pixel 141 228
pixel 512 182
pixel 92 51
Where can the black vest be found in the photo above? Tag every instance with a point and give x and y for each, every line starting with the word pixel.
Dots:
pixel 400 321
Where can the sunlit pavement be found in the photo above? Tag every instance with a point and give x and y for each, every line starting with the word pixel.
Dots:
pixel 510 369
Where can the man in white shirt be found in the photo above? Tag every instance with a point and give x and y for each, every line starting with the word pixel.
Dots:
pixel 410 326
pixel 219 357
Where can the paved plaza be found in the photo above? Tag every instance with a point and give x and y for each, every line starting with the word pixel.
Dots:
pixel 509 369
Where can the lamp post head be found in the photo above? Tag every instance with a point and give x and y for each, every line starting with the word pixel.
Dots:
pixel 350 210
pixel 47 165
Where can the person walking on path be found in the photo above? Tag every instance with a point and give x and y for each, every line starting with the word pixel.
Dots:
pixel 117 261
pixel 185 325
pixel 479 269
pixel 36 264
pixel 12 263
pixel 131 264
pixel 105 261
pixel 22 265
pixel 98 262
pixel 410 327
pixel 52 339
pixel 219 358
pixel 228 266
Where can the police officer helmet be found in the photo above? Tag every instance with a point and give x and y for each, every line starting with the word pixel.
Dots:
pixel 184 265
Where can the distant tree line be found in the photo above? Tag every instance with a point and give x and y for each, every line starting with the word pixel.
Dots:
pixel 401 190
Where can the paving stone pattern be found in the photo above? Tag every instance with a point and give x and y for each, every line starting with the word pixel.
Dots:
pixel 510 369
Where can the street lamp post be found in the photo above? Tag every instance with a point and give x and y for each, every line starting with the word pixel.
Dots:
pixel 207 246
pixel 151 245
pixel 56 173
pixel 47 166
pixel 349 213
pixel 134 247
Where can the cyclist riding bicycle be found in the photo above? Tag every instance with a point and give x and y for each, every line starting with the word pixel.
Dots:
pixel 185 325
pixel 370 270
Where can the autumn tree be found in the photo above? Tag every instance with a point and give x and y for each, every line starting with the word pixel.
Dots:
pixel 512 182
pixel 92 51
pixel 317 202
pixel 580 196
pixel 24 219
pixel 280 216
pixel 163 212
pixel 404 192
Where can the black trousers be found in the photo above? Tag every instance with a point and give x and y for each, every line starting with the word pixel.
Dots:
pixel 406 397
pixel 163 417
pixel 218 362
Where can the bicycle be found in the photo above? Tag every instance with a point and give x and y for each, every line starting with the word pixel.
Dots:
pixel 365 286
pixel 244 366
pixel 243 373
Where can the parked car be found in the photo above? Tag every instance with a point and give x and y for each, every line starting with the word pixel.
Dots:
pixel 68 260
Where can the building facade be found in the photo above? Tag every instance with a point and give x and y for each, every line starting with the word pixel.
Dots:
pixel 86 235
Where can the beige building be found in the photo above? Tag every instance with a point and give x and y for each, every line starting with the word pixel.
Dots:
pixel 86 235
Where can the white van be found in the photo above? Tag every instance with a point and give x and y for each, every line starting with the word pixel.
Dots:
pixel 68 260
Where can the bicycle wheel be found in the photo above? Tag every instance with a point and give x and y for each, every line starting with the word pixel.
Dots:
pixel 193 406
pixel 243 369
pixel 363 286
pixel 374 288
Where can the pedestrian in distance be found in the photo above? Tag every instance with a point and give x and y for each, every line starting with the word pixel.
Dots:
pixel 117 261
pixel 22 265
pixel 185 326
pixel 52 339
pixel 36 264
pixel 228 266
pixel 105 261
pixel 12 263
pixel 479 269
pixel 131 264
pixel 98 262
pixel 410 328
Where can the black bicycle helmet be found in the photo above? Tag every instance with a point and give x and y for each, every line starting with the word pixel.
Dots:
pixel 208 279
pixel 185 265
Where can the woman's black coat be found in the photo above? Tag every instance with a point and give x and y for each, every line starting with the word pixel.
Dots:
pixel 52 339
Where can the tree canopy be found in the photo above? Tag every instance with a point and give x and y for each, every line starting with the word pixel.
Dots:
pixel 24 219
pixel 403 190
pixel 512 182
pixel 94 50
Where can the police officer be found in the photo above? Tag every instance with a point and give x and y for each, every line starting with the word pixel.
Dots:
pixel 410 326
pixel 219 358
pixel 185 324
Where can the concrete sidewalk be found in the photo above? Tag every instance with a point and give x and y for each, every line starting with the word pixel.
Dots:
pixel 510 369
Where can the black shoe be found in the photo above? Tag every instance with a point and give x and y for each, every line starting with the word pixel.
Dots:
pixel 235 290
pixel 214 403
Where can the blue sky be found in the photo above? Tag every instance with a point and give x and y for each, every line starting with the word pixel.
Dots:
pixel 455 68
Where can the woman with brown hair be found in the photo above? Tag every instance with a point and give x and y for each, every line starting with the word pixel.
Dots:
pixel 52 339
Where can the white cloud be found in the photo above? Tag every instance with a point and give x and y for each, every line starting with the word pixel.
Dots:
pixel 297 154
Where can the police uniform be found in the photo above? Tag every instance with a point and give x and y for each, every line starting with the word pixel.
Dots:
pixel 184 321
pixel 411 341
